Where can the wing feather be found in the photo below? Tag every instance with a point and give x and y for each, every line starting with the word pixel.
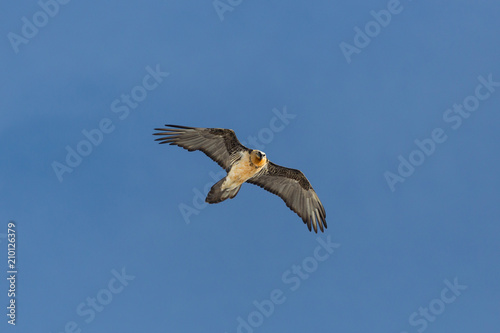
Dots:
pixel 220 144
pixel 292 186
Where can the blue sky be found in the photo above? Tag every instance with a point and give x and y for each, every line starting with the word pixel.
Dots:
pixel 397 136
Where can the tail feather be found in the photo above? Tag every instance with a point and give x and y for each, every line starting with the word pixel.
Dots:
pixel 217 194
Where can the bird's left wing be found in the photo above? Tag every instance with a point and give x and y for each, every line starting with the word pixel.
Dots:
pixel 220 144
pixel 293 187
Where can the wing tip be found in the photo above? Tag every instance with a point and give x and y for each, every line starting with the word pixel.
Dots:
pixel 179 126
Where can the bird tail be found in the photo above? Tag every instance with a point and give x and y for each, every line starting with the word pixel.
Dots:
pixel 217 194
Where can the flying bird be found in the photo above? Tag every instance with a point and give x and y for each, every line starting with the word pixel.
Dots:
pixel 248 165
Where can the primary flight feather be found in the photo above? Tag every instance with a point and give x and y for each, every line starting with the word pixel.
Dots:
pixel 248 165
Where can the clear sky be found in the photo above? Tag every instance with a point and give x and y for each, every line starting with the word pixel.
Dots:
pixel 391 109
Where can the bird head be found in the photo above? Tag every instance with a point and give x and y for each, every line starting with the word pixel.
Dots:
pixel 258 157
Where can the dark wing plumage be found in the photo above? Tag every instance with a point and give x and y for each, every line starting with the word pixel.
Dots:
pixel 219 144
pixel 293 187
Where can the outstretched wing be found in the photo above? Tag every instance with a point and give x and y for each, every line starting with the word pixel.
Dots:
pixel 219 144
pixel 293 187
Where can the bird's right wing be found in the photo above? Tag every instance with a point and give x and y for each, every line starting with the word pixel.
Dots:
pixel 220 144
pixel 292 186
